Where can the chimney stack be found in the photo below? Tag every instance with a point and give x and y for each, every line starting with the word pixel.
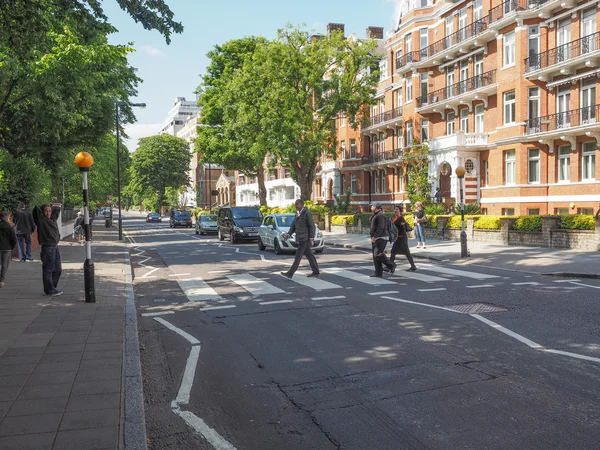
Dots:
pixel 331 27
pixel 375 32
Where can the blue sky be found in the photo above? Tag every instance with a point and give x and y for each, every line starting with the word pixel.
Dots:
pixel 174 70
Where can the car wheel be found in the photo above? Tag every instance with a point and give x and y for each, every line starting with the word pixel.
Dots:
pixel 220 235
pixel 319 251
pixel 277 247
pixel 232 237
pixel 261 246
pixel 170 225
pixel 202 232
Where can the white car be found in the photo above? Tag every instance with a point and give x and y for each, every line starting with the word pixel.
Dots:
pixel 270 234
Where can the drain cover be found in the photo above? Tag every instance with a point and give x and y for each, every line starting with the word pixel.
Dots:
pixel 476 308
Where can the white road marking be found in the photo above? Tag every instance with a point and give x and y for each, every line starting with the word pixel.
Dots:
pixel 179 274
pixel 314 282
pixel 254 285
pixel 431 290
pixel 585 285
pixel 197 290
pixel 202 428
pixel 527 283
pixel 572 355
pixel 159 313
pixel 401 300
pixel 329 298
pixel 565 281
pixel 477 286
pixel 508 332
pixel 276 302
pixel 159 300
pixel 183 396
pixel 461 273
pixel 419 276
pixel 218 271
pixel 357 276
pixel 384 293
pixel 210 308
pixel 188 337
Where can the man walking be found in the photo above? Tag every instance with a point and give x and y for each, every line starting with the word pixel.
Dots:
pixel 49 237
pixel 24 227
pixel 379 239
pixel 304 227
pixel 8 240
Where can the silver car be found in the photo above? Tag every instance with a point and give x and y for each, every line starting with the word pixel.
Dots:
pixel 206 223
pixel 270 234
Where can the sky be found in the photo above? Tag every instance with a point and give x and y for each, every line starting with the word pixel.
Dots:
pixel 170 71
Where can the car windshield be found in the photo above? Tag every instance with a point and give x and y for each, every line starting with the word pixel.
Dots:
pixel 182 213
pixel 211 218
pixel 285 221
pixel 153 214
pixel 246 213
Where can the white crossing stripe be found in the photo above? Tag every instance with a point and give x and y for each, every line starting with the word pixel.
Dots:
pixel 357 276
pixel 460 273
pixel 480 286
pixel 197 290
pixel 159 313
pixel 431 290
pixel 210 308
pixel 314 282
pixel 328 298
pixel 399 273
pixel 527 283
pixel 275 302
pixel 383 293
pixel 254 285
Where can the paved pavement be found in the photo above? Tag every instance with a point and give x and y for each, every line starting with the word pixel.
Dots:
pixel 69 370
pixel 551 261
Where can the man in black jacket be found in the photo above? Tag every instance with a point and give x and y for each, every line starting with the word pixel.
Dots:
pixel 304 227
pixel 8 240
pixel 49 237
pixel 379 239
pixel 24 226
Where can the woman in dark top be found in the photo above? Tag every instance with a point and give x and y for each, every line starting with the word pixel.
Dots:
pixel 401 244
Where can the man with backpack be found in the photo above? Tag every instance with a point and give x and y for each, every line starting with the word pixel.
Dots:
pixel 380 236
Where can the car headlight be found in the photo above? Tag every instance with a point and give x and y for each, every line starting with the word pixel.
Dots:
pixel 237 229
pixel 319 234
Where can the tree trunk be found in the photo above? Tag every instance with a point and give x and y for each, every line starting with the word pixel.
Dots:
pixel 262 189
pixel 305 182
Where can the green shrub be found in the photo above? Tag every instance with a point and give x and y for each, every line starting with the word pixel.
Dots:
pixel 435 209
pixel 577 222
pixel 455 221
pixel 470 209
pixel 528 223
pixel 313 207
pixel 487 223
pixel 364 219
pixel 339 219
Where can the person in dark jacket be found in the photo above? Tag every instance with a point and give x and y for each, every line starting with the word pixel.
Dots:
pixel 24 226
pixel 379 239
pixel 304 227
pixel 401 244
pixel 49 237
pixel 8 240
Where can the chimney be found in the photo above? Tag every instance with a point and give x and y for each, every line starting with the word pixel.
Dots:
pixel 331 27
pixel 375 32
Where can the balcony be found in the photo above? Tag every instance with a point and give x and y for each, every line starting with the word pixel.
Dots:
pixel 404 62
pixel 564 125
pixel 380 122
pixel 459 141
pixel 383 157
pixel 564 59
pixel 463 92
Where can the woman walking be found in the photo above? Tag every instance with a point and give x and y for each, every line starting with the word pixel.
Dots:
pixel 401 244
pixel 420 219
pixel 8 241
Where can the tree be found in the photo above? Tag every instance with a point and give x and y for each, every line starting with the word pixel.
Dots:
pixel 159 162
pixel 23 181
pixel 418 185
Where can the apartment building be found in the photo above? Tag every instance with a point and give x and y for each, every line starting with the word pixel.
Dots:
pixel 506 90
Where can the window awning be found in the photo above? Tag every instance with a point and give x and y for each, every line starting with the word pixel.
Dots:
pixel 579 76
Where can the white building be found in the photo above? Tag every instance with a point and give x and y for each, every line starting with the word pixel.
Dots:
pixel 179 114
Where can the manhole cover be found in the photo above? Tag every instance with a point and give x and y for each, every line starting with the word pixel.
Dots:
pixel 476 308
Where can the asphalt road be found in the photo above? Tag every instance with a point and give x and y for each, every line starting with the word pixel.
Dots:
pixel 236 356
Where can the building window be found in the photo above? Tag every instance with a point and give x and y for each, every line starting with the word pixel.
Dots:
pixel 508 211
pixel 352 148
pixel 424 84
pixel 400 182
pixel 564 163
pixel 376 182
pixel 353 184
pixel 485 173
pixel 477 10
pixel 409 132
pixel 464 120
pixel 479 127
pixel 588 161
pixel 343 149
pixel 469 166
pixel 509 107
pixel 534 102
pixel 287 173
pixel 382 143
pixel 534 165
pixel 342 120
pixel 383 69
pixel 533 211
pixel 424 130
pixel 242 180
pixel 510 162
pixel 409 92
pixel 383 182
pixel 400 139
pixel 561 210
pixel 423 40
pixel 585 211
pixel 400 97
pixel 509 49
pixel 450 124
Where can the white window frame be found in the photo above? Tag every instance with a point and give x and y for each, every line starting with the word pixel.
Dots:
pixel 376 182
pixel 450 123
pixel 400 182
pixel 534 162
pixel 343 149
pixel 464 120
pixel 564 164
pixel 509 49
pixel 510 106
pixel 353 184
pixel 383 182
pixel 588 161
pixel 424 130
pixel 477 10
pixel 409 133
pixel 479 118
pixel 400 97
pixel 510 167
pixel 352 148
pixel 409 89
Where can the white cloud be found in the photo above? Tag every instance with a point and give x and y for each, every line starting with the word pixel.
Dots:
pixel 397 8
pixel 153 51
pixel 137 131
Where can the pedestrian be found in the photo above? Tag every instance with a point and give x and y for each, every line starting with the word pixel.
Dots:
pixel 49 237
pixel 401 244
pixel 78 227
pixel 379 239
pixel 24 227
pixel 304 227
pixel 438 195
pixel 420 220
pixel 8 241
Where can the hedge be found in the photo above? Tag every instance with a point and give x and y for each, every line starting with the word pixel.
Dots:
pixel 487 223
pixel 528 223
pixel 339 219
pixel 577 222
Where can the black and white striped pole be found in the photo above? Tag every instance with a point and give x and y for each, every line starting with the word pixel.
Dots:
pixel 84 161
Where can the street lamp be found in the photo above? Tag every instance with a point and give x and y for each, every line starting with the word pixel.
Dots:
pixel 84 161
pixel 460 173
pixel 140 105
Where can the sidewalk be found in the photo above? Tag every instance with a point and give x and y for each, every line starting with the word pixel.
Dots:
pixel 66 381
pixel 550 261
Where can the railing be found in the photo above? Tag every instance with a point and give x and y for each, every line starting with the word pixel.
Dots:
pixel 382 156
pixel 408 58
pixel 449 41
pixel 507 7
pixel 562 120
pixel 459 139
pixel 462 87
pixel 384 117
pixel 563 53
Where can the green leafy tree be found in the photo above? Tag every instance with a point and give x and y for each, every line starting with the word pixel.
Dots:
pixel 418 185
pixel 24 181
pixel 159 162
pixel 342 203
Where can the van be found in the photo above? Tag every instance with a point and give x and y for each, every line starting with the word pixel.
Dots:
pixel 238 223
pixel 180 218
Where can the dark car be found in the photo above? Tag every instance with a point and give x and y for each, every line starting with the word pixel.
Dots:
pixel 238 223
pixel 153 217
pixel 206 223
pixel 180 218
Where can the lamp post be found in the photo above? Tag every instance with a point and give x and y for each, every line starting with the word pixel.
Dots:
pixel 84 161
pixel 460 173
pixel 140 105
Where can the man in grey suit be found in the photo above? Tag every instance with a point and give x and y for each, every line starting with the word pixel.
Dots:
pixel 305 229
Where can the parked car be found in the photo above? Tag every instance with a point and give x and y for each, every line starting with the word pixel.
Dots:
pixel 106 211
pixel 238 223
pixel 206 223
pixel 180 218
pixel 270 235
pixel 153 217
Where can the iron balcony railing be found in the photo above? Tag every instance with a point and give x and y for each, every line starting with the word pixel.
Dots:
pixel 389 155
pixel 462 87
pixel 563 53
pixel 562 120
pixel 408 58
pixel 451 40
pixel 384 117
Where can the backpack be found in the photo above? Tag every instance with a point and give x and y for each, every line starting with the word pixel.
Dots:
pixel 392 230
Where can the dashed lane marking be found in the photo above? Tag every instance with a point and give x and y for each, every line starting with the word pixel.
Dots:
pixel 432 290
pixel 384 293
pixel 477 286
pixel 275 302
pixel 329 298
pixel 159 313
pixel 210 308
